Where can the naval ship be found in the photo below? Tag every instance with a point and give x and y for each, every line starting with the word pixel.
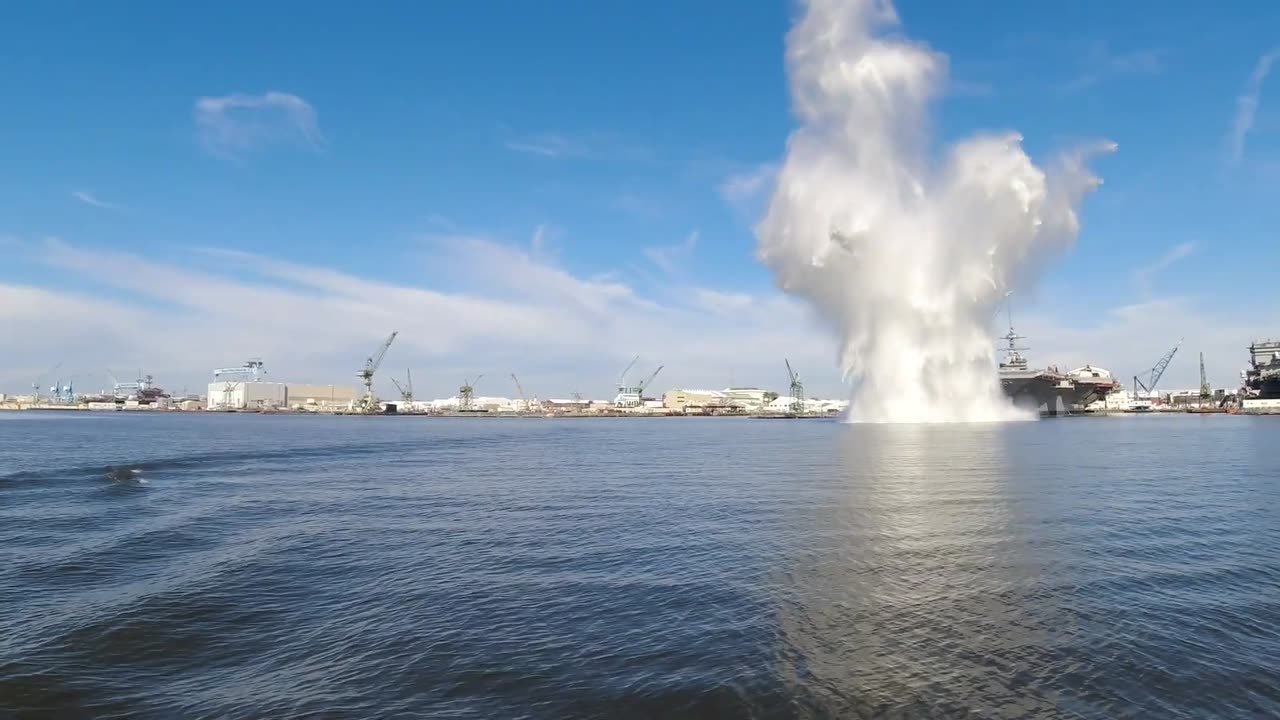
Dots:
pixel 1261 391
pixel 1049 391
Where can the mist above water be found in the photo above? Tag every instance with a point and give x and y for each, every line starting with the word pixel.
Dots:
pixel 905 251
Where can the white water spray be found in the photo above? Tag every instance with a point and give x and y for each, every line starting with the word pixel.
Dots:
pixel 905 256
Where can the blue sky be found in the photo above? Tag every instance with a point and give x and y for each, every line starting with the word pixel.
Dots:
pixel 551 188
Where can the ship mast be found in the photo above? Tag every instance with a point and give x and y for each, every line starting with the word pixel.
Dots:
pixel 1013 353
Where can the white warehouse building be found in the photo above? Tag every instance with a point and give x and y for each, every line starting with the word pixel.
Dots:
pixel 246 395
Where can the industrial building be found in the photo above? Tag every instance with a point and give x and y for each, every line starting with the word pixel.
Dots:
pixel 694 400
pixel 750 399
pixel 304 396
pixel 737 399
pixel 228 395
pixel 243 388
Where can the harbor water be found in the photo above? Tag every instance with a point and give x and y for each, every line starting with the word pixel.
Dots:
pixel 257 566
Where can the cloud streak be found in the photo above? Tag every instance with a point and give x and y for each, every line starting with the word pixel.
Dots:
pixel 1128 339
pixel 232 125
pixel 89 199
pixel 746 191
pixel 1100 63
pixel 1144 276
pixel 1247 105
pixel 549 145
pixel 513 311
pixel 669 258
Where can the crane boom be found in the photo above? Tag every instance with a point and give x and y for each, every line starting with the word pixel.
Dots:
pixel 406 390
pixel 797 390
pixel 371 365
pixel 376 361
pixel 1158 371
pixel 622 379
pixel 520 388
pixel 1205 391
pixel 645 384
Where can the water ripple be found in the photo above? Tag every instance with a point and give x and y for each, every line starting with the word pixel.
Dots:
pixel 354 567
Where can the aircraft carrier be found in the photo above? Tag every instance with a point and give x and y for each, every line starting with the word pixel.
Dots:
pixel 1049 391
pixel 1261 391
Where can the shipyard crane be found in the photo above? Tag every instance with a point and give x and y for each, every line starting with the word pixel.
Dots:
pixel 228 402
pixel 797 390
pixel 35 386
pixel 139 387
pixel 1156 373
pixel 370 367
pixel 1206 392
pixel 622 379
pixel 641 387
pixel 253 369
pixel 528 406
pixel 466 393
pixel 406 390
pixel 632 395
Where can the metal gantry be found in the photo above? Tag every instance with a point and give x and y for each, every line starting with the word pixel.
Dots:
pixel 528 405
pixel 632 395
pixel 466 394
pixel 1206 392
pixel 1149 387
pixel 252 370
pixel 371 364
pixel 406 390
pixel 797 390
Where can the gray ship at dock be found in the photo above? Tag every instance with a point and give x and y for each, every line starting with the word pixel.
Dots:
pixel 1260 391
pixel 1049 391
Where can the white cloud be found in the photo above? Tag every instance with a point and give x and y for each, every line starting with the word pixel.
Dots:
pixel 1128 340
pixel 1100 63
pixel 231 125
pixel 723 303
pixel 547 145
pixel 745 191
pixel 598 146
pixel 89 199
pixel 558 331
pixel 670 258
pixel 1247 104
pixel 1143 276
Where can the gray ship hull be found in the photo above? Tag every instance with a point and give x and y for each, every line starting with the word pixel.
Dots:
pixel 1040 392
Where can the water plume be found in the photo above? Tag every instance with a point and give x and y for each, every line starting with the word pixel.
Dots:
pixel 906 254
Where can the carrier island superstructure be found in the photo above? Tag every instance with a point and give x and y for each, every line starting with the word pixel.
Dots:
pixel 1260 390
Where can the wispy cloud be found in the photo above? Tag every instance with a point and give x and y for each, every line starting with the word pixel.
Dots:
pixel 1247 104
pixel 746 190
pixel 231 125
pixel 1144 276
pixel 1100 63
pixel 89 199
pixel 1129 339
pixel 596 145
pixel 511 311
pixel 637 205
pixel 669 258
pixel 549 145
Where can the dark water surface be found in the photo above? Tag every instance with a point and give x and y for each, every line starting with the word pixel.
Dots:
pixel 279 567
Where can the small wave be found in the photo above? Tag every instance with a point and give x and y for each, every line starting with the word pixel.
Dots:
pixel 218 459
